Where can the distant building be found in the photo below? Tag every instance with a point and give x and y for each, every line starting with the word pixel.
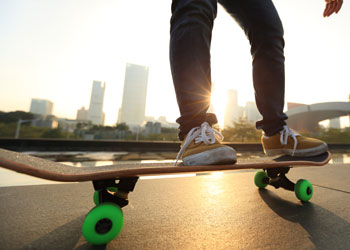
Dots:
pixel 152 128
pixel 95 112
pixel 133 107
pixel 252 113
pixel 334 123
pixel 232 110
pixel 82 114
pixel 161 120
pixel 67 125
pixel 41 107
pixel 166 124
pixel 48 121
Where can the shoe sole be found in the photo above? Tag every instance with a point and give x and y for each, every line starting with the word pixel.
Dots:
pixel 299 152
pixel 217 156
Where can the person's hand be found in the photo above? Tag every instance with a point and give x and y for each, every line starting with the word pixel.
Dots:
pixel 332 6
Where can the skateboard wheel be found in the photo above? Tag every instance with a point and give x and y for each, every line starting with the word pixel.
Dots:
pixel 303 190
pixel 96 197
pixel 260 179
pixel 103 223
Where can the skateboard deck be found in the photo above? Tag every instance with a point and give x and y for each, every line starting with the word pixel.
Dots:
pixel 113 183
pixel 55 171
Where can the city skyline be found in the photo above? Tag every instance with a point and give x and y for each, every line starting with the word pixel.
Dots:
pixel 85 40
pixel 232 113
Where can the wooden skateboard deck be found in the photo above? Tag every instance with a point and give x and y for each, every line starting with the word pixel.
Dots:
pixel 50 170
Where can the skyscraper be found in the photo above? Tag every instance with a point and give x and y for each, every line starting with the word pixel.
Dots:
pixel 41 107
pixel 232 109
pixel 133 107
pixel 95 113
pixel 252 112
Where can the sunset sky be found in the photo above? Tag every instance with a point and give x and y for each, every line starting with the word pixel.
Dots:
pixel 55 49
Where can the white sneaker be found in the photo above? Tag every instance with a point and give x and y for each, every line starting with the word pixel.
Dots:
pixel 202 146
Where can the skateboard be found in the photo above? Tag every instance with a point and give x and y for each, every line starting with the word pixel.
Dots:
pixel 113 183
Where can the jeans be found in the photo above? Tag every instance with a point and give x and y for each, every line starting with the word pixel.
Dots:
pixel 190 38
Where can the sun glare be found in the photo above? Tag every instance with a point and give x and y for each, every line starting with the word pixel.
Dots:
pixel 218 104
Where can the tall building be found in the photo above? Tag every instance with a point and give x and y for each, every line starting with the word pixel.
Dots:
pixel 252 112
pixel 232 110
pixel 95 112
pixel 41 107
pixel 82 114
pixel 133 107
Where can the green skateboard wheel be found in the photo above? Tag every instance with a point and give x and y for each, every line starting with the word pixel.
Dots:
pixel 259 178
pixel 103 223
pixel 303 190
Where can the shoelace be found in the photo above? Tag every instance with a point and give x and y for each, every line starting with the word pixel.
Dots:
pixel 285 133
pixel 204 133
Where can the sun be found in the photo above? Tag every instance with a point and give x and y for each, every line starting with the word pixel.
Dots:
pixel 218 104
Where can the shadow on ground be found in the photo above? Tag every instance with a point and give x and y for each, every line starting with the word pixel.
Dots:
pixel 63 237
pixel 326 230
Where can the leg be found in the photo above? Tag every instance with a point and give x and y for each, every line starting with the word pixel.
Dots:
pixel 190 37
pixel 261 24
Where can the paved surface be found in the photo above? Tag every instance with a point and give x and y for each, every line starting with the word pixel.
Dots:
pixel 203 212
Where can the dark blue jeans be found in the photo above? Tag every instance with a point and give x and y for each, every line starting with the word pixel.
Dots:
pixel 190 37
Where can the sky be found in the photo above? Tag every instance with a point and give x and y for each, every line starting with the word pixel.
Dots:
pixel 55 49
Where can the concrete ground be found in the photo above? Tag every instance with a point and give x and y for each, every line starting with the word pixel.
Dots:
pixel 220 211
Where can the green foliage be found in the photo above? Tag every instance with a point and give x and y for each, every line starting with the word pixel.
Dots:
pixel 28 131
pixel 122 126
pixel 7 130
pixel 169 130
pixel 160 137
pixel 53 133
pixel 331 135
pixel 242 131
pixel 11 117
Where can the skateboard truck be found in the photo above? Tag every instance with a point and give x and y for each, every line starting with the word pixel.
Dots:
pixel 117 193
pixel 278 178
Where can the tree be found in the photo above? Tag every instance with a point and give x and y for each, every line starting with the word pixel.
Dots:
pixel 122 126
pixel 11 117
pixel 242 131
pixel 53 133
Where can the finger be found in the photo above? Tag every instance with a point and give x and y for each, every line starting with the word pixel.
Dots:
pixel 339 5
pixel 327 10
pixel 331 9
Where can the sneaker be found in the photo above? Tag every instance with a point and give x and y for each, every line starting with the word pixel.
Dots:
pixel 202 147
pixel 291 143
